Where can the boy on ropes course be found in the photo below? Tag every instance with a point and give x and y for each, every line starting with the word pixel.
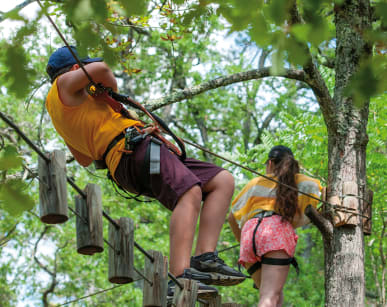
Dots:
pixel 140 161
pixel 263 218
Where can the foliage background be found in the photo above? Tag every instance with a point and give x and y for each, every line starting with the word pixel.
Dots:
pixel 162 47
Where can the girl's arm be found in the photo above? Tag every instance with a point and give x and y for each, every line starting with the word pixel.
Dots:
pixel 234 227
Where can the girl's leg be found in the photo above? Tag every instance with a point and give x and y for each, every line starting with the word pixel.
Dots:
pixel 273 278
pixel 256 275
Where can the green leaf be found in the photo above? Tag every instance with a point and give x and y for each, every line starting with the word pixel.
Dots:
pixel 109 56
pixel 369 80
pixel 19 76
pixel 301 31
pixel 100 10
pixel 86 37
pixel 14 15
pixel 134 7
pixel 278 59
pixel 381 11
pixel 10 158
pixel 278 10
pixel 13 199
pixel 297 54
pixel 259 31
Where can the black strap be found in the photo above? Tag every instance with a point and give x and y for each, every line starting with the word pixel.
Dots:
pixel 255 267
pixel 260 216
pixel 127 100
pixel 273 261
pixel 276 261
pixel 254 233
pixel 112 144
pixel 101 164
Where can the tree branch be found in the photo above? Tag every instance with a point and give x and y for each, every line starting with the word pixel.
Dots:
pixel 17 7
pixel 254 74
pixel 4 239
pixel 313 77
pixel 320 222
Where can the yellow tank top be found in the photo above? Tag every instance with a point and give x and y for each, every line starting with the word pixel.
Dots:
pixel 260 194
pixel 88 127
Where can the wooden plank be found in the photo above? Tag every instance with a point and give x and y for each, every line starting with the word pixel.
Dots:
pixel 53 205
pixel 187 296
pixel 89 222
pixel 350 204
pixel 213 302
pixel 121 239
pixel 156 272
pixel 367 212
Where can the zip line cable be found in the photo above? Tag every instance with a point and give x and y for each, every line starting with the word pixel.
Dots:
pixel 191 143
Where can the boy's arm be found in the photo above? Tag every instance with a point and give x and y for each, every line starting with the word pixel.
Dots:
pixel 76 80
pixel 234 227
pixel 80 157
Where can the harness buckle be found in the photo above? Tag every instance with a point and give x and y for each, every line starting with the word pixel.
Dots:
pixel 133 136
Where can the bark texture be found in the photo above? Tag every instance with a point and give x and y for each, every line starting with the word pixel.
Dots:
pixel 347 141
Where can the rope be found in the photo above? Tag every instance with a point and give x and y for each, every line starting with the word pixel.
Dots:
pixel 80 191
pixel 90 295
pixel 337 207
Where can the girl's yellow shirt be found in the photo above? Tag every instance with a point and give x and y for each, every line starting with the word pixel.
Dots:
pixel 260 194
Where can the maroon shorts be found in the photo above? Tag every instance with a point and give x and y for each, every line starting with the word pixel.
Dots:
pixel 175 178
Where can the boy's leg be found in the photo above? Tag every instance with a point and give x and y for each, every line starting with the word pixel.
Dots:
pixel 182 229
pixel 212 217
pixel 219 191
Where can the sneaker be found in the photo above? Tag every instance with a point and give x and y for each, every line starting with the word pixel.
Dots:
pixel 204 291
pixel 220 273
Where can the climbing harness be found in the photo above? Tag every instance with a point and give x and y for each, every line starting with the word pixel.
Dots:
pixel 137 133
pixel 156 129
pixel 265 260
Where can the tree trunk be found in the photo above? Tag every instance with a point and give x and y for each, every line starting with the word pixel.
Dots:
pixel 344 255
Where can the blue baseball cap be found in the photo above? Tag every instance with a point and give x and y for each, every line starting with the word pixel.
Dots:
pixel 62 58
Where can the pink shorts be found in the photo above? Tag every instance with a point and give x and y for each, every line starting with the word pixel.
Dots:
pixel 272 235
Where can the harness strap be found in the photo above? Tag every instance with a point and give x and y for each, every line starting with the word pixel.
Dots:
pixel 101 164
pixel 158 126
pixel 255 267
pixel 273 261
pixel 261 215
pixel 154 158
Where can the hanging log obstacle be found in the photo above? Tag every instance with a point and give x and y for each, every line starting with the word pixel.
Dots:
pixel 187 296
pixel 89 221
pixel 155 293
pixel 214 302
pixel 349 214
pixel 53 188
pixel 121 239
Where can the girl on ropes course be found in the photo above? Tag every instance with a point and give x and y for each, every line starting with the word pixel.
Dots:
pixel 263 218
